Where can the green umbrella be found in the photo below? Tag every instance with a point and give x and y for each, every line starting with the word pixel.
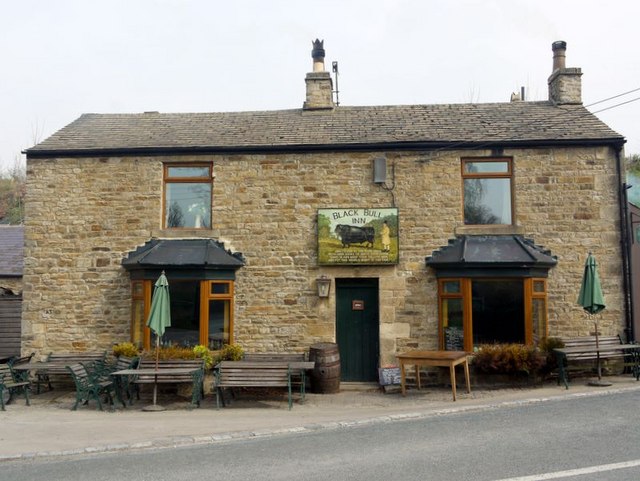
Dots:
pixel 592 300
pixel 590 297
pixel 159 320
pixel 160 314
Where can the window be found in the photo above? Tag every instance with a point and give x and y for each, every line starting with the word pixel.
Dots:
pixel 487 187
pixel 187 196
pixel 138 310
pixel 201 313
pixel 495 310
pixel 451 313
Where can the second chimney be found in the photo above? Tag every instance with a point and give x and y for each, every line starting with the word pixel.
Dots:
pixel 319 83
pixel 565 84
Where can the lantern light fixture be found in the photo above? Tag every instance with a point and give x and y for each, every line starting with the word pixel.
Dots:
pixel 324 286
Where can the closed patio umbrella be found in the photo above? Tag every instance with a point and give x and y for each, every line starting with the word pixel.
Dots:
pixel 159 320
pixel 592 301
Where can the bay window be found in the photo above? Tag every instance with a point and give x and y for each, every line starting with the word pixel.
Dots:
pixel 475 311
pixel 201 313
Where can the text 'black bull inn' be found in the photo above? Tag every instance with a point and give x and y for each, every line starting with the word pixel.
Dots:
pixel 358 236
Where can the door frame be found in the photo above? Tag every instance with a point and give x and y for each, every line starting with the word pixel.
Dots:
pixel 346 284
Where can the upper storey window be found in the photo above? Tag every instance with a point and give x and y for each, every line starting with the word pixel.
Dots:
pixel 487 191
pixel 187 196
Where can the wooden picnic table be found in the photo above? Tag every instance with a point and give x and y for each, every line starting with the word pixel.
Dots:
pixel 448 359
pixel 163 375
pixel 56 365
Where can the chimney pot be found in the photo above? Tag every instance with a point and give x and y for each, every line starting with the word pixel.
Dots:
pixel 318 55
pixel 559 54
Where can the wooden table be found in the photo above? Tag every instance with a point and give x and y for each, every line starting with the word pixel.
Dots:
pixel 448 359
pixel 169 372
pixel 172 375
pixel 43 369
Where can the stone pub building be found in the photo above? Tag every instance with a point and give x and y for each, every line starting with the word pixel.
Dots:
pixel 381 228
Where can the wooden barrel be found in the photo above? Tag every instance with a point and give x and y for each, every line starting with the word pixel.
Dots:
pixel 325 377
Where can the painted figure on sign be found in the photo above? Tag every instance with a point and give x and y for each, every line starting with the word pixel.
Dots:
pixel 385 237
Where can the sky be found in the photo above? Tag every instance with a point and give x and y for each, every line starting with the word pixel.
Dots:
pixel 62 58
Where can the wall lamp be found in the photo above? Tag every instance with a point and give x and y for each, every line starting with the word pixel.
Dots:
pixel 324 286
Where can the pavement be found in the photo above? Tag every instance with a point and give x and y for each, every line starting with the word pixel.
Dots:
pixel 49 428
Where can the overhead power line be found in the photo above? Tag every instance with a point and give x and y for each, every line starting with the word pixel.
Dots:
pixel 549 122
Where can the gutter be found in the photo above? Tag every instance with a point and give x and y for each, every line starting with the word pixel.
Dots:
pixel 625 247
pixel 615 142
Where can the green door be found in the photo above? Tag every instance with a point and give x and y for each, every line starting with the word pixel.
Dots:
pixel 357 328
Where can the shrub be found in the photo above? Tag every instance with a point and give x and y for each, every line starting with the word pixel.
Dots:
pixel 230 352
pixel 204 353
pixel 126 349
pixel 508 359
pixel 172 352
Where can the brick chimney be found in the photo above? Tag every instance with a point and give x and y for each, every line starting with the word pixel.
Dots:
pixel 565 84
pixel 319 83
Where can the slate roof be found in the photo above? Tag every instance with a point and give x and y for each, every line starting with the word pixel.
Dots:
pixel 182 253
pixel 11 250
pixel 494 251
pixel 452 125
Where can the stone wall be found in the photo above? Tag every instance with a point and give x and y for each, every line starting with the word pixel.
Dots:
pixel 84 215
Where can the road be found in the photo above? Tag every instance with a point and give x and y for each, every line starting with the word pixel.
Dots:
pixel 590 438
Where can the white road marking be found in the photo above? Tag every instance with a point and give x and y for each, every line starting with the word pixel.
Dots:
pixel 576 472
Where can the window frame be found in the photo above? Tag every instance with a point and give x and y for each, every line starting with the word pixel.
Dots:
pixel 530 294
pixel 488 175
pixel 167 179
pixel 205 297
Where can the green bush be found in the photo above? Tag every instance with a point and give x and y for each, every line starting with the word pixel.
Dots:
pixel 230 352
pixel 126 349
pixel 171 352
pixel 510 359
pixel 204 353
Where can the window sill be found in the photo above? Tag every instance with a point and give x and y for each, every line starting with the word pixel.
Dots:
pixel 490 229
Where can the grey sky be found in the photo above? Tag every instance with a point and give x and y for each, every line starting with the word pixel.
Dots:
pixel 62 58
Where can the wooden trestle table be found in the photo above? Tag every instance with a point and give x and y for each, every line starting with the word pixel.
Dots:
pixel 448 359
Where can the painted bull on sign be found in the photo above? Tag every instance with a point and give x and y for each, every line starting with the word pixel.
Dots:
pixel 351 234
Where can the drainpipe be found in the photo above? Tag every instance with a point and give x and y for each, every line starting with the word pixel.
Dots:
pixel 625 245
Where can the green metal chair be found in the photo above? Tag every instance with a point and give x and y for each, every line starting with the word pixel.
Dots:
pixel 89 387
pixel 10 385
pixel 16 361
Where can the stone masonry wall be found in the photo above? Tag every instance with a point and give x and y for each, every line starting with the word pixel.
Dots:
pixel 84 215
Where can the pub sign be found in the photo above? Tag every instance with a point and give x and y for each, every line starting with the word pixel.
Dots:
pixel 358 236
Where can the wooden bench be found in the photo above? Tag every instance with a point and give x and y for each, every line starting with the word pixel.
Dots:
pixel 258 374
pixel 583 349
pixel 11 385
pixel 56 365
pixel 297 376
pixel 194 374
